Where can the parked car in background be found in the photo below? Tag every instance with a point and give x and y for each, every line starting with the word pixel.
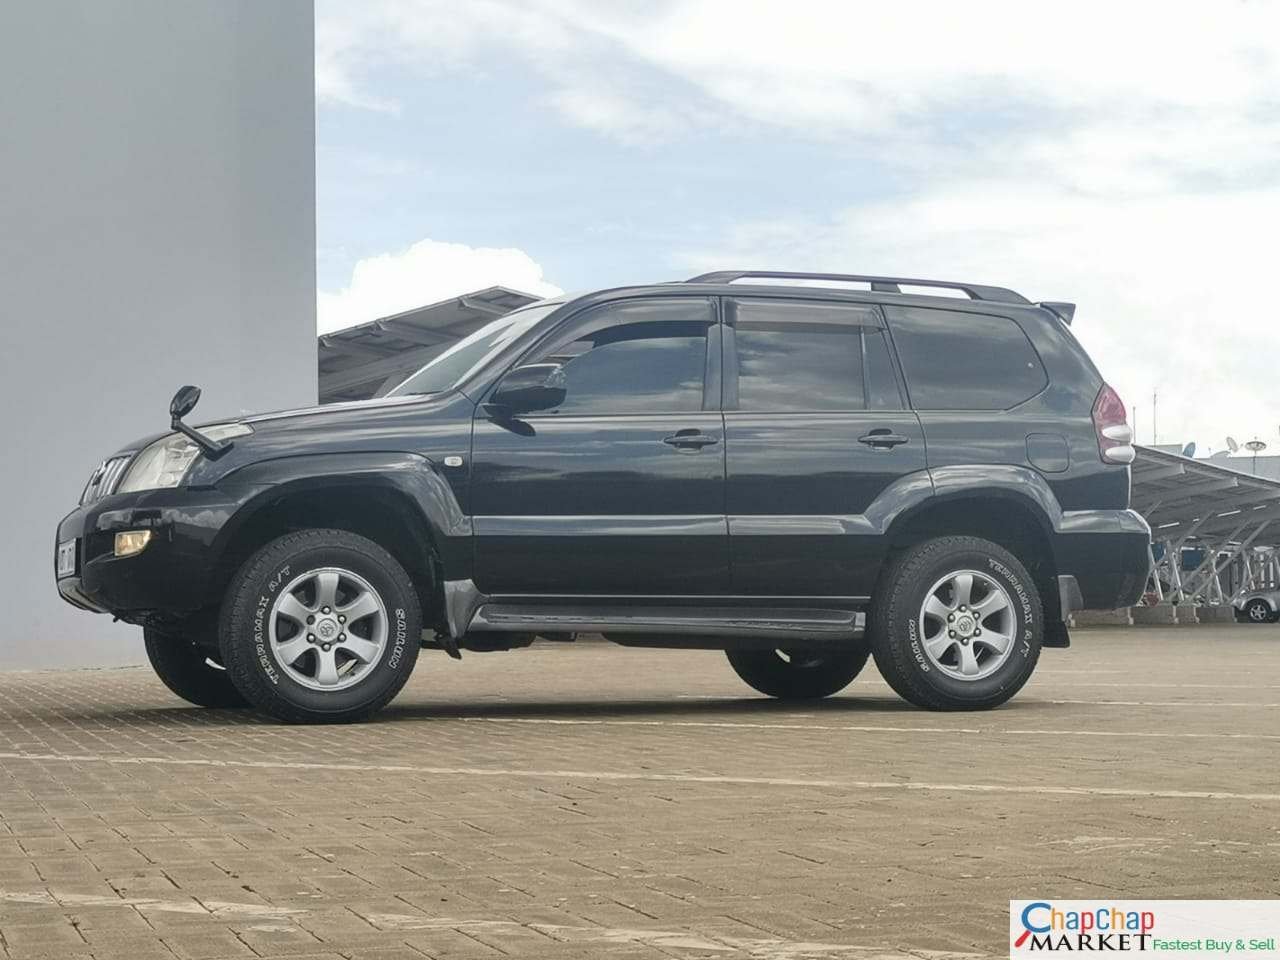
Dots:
pixel 931 473
pixel 1262 606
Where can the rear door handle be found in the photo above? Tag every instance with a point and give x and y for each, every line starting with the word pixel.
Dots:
pixel 883 439
pixel 689 440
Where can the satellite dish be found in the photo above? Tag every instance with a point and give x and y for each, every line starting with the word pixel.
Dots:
pixel 1232 445
pixel 1189 450
pixel 1220 455
pixel 1256 446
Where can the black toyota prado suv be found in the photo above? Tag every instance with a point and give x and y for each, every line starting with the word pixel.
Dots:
pixel 801 474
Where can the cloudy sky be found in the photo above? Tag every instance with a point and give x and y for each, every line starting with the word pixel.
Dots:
pixel 1125 156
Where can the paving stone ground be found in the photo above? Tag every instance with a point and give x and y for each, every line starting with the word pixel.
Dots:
pixel 580 801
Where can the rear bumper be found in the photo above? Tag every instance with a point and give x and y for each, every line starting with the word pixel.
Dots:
pixel 1107 553
pixel 172 576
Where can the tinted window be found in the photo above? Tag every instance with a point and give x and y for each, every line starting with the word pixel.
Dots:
pixel 640 357
pixel 964 361
pixel 794 356
pixel 883 392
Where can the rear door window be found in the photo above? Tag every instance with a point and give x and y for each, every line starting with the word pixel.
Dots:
pixel 955 360
pixel 792 356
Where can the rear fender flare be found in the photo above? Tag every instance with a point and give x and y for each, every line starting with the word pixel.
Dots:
pixel 908 496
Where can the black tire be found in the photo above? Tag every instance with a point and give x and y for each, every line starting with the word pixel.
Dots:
pixel 245 637
pixel 1257 610
pixel 183 668
pixel 897 636
pixel 799 674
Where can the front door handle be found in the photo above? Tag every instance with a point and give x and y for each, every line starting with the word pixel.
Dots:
pixel 689 440
pixel 883 439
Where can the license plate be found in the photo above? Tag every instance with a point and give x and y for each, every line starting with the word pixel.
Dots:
pixel 67 559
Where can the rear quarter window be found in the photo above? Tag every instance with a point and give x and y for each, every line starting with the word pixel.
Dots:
pixel 955 360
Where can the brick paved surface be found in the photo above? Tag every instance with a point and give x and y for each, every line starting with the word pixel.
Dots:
pixel 594 801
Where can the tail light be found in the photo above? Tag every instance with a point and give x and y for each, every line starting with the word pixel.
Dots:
pixel 1111 422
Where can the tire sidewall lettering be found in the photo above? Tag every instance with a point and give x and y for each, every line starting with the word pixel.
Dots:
pixel 261 628
pixel 401 637
pixel 1014 582
pixel 913 644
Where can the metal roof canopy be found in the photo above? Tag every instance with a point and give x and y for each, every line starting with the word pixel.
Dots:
pixel 1201 503
pixel 369 359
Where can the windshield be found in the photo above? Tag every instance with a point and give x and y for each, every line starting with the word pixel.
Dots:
pixel 455 364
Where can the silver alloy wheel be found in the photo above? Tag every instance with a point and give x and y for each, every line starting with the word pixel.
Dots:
pixel 1259 612
pixel 967 625
pixel 328 628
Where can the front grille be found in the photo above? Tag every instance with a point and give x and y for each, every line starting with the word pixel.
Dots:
pixel 104 479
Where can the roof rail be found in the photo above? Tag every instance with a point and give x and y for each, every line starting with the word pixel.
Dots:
pixel 975 291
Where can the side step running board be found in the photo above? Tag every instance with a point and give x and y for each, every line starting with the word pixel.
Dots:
pixel 775 623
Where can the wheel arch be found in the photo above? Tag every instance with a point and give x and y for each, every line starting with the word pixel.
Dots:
pixel 1015 522
pixel 399 502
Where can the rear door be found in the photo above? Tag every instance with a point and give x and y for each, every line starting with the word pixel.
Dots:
pixel 816 428
pixel 620 490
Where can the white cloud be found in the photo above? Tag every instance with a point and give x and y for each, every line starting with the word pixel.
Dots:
pixel 1167 287
pixel 427 272
pixel 838 66
pixel 1123 155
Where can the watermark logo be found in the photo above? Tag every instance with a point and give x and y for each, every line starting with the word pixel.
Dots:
pixel 1153 928
pixel 1102 927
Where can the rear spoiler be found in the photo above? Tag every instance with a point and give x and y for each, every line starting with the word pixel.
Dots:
pixel 1063 311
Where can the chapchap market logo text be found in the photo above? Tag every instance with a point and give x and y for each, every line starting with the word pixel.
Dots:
pixel 1045 927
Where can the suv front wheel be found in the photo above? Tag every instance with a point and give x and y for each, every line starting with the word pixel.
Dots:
pixel 956 624
pixel 797 673
pixel 186 669
pixel 320 626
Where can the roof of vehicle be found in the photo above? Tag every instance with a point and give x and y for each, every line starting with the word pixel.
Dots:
pixel 977 298
pixel 369 359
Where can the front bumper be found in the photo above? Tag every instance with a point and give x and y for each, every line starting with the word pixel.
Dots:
pixel 1108 553
pixel 174 575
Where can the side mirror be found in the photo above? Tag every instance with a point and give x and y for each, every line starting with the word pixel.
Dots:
pixel 536 386
pixel 183 402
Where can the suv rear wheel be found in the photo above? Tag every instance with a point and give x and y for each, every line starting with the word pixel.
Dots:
pixel 799 674
pixel 186 669
pixel 320 626
pixel 956 624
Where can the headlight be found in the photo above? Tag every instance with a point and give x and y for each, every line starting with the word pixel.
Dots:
pixel 165 462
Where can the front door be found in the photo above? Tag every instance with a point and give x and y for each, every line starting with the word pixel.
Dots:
pixel 816 428
pixel 620 490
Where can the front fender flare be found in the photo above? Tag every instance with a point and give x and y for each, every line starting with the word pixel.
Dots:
pixel 414 477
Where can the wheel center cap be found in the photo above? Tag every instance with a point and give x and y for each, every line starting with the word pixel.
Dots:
pixel 964 625
pixel 326 629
